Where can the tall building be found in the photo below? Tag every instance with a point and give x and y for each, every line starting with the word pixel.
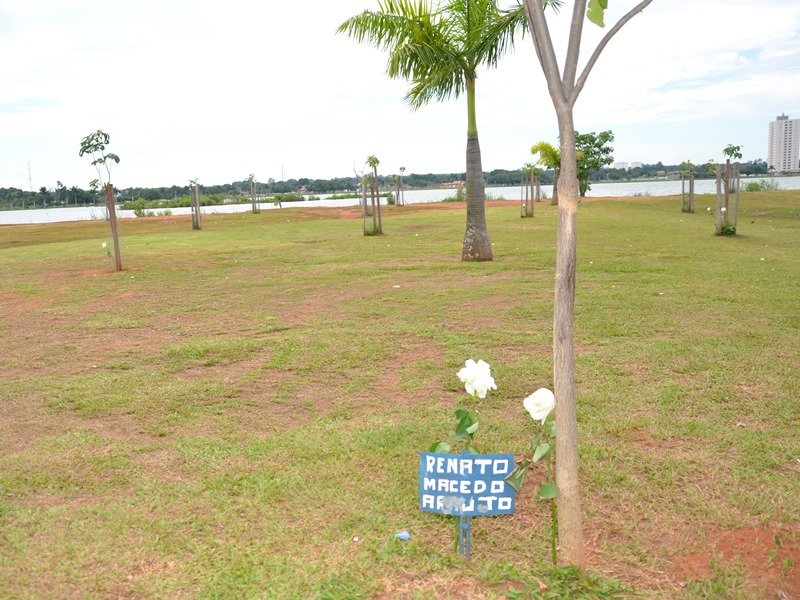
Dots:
pixel 784 144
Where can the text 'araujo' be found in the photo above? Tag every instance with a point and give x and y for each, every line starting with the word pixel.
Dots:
pixel 466 485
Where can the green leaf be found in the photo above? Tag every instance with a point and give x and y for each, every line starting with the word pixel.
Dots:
pixel 466 422
pixel 472 450
pixel 596 12
pixel 472 428
pixel 461 413
pixel 542 451
pixel 553 429
pixel 516 477
pixel 535 441
pixel 548 491
pixel 440 447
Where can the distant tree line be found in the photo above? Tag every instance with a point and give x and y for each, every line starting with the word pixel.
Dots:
pixel 62 196
pixel 749 168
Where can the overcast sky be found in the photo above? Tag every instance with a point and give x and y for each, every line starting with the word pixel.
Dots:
pixel 217 91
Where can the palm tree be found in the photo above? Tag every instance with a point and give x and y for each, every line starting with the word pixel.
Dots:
pixel 549 158
pixel 439 49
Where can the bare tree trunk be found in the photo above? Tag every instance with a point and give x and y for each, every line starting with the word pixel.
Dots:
pixel 691 192
pixel 570 521
pixel 112 217
pixel 477 246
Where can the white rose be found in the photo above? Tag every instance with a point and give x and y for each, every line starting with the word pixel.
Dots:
pixel 477 378
pixel 540 404
pixel 104 244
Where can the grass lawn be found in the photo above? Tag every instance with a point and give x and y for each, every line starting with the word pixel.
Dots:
pixel 239 413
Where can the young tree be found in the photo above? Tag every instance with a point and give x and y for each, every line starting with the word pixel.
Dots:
pixel 593 153
pixel 95 144
pixel 687 171
pixel 377 222
pixel 732 179
pixel 530 175
pixel 549 158
pixel 400 199
pixel 439 49
pixel 564 88
pixel 254 204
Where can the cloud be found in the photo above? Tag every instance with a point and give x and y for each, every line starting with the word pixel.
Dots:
pixel 26 105
pixel 217 91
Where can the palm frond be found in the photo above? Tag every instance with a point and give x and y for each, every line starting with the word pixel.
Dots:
pixel 549 155
pixel 437 48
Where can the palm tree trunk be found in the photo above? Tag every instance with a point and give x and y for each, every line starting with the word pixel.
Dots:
pixel 477 245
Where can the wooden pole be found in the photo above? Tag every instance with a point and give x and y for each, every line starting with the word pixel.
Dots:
pixel 683 192
pixel 196 218
pixel 737 173
pixel 718 213
pixel 378 198
pixel 374 211
pixel 530 198
pixel 727 184
pixel 112 217
pixel 254 197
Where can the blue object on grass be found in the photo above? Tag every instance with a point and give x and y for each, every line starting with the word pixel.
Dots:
pixel 403 535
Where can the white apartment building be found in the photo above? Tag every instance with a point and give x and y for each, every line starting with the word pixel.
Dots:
pixel 784 144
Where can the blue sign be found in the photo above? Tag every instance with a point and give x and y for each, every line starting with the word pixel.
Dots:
pixel 469 485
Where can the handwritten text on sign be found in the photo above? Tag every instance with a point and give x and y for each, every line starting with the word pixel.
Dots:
pixel 466 485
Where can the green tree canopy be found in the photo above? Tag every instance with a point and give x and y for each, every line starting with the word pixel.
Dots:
pixel 593 153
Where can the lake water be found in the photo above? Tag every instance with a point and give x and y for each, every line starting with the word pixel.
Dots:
pixel 599 190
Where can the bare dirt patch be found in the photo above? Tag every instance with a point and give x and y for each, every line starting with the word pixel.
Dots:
pixel 771 557
pixel 403 586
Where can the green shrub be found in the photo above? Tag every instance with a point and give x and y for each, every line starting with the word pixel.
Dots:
pixel 459 197
pixel 288 197
pixel 763 185
pixel 372 230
